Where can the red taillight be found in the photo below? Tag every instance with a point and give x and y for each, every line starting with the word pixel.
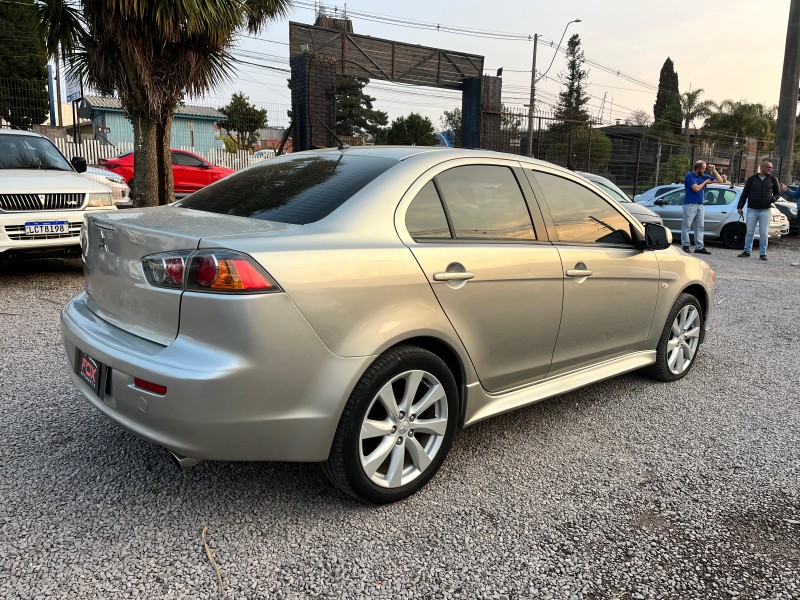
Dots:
pixel 218 270
pixel 149 386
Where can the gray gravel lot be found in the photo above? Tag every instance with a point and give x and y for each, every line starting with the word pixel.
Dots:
pixel 626 489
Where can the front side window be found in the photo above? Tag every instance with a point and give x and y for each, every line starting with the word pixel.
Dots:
pixel 485 202
pixel 580 215
pixel 673 199
pixel 297 190
pixel 186 160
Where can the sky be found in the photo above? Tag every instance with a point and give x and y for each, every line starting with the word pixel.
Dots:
pixel 712 47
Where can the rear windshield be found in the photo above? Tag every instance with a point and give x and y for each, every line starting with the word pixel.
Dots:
pixel 298 191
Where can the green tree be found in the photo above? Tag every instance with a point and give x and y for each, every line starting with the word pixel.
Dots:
pixel 413 130
pixel 674 170
pixel 573 99
pixel 355 115
pixel 667 108
pixel 735 121
pixel 693 108
pixel 23 67
pixel 452 120
pixel 151 54
pixel 244 120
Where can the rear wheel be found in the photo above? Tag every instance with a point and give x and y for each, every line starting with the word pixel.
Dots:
pixel 679 342
pixel 396 428
pixel 733 236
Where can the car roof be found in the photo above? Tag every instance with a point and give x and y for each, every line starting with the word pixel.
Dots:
pixel 11 131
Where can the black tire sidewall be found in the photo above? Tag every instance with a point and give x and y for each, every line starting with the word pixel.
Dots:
pixel 382 370
pixel 662 368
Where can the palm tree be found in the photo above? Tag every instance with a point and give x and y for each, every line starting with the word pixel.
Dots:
pixel 692 108
pixel 151 54
pixel 735 120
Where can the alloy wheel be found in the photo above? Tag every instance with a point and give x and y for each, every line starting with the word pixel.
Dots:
pixel 684 338
pixel 403 429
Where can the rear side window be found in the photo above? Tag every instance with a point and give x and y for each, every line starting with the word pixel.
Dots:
pixel 485 202
pixel 298 190
pixel 579 214
pixel 425 217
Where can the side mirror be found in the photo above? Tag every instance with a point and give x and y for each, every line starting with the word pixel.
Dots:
pixel 79 164
pixel 205 166
pixel 657 237
pixel 659 203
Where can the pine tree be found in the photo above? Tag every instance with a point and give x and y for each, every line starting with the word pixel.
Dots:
pixel 573 99
pixel 667 109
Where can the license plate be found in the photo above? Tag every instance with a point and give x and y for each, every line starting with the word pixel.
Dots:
pixel 46 227
pixel 91 372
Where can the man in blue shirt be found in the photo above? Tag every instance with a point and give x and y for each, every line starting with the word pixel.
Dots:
pixel 695 183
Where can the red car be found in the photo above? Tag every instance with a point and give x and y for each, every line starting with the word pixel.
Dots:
pixel 191 172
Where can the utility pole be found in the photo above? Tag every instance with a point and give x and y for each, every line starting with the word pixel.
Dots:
pixel 787 107
pixel 533 97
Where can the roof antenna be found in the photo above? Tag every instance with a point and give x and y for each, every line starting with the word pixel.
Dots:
pixel 342 145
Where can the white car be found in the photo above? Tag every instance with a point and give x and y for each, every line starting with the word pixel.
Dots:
pixel 42 197
pixel 114 181
pixel 657 191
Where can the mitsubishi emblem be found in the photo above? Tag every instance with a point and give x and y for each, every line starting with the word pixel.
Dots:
pixel 42 199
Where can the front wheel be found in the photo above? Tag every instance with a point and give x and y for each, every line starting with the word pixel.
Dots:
pixel 679 342
pixel 396 427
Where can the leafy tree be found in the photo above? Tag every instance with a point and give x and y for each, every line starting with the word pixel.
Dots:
pixel 667 109
pixel 243 119
pixel 734 121
pixel 693 108
pixel 354 113
pixel 23 67
pixel 573 99
pixel 674 170
pixel 151 54
pixel 414 130
pixel 452 120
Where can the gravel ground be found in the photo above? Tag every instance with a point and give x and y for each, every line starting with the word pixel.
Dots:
pixel 626 489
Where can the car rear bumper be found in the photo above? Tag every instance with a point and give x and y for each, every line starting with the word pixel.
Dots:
pixel 276 397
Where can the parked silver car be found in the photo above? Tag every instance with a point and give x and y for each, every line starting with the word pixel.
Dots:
pixel 356 307
pixel 641 213
pixel 114 182
pixel 721 221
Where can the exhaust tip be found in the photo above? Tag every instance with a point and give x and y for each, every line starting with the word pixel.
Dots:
pixel 185 462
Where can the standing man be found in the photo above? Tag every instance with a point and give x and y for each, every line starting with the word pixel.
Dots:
pixel 695 183
pixel 760 191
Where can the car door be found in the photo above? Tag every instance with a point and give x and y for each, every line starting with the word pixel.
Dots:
pixel 190 172
pixel 610 285
pixel 670 207
pixel 718 206
pixel 497 282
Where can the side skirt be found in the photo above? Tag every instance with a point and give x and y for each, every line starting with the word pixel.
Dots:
pixel 482 405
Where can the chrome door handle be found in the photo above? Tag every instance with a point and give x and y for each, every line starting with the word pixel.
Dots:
pixel 579 273
pixel 453 276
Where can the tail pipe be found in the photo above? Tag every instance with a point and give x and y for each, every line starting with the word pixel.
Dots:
pixel 185 462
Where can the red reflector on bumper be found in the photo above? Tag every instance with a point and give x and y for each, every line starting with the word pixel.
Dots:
pixel 150 386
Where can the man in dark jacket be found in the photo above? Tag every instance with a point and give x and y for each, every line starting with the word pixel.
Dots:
pixel 760 191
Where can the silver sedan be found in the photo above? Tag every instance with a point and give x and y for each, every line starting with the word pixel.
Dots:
pixel 356 307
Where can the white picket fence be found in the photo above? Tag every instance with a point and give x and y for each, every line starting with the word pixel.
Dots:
pixel 93 151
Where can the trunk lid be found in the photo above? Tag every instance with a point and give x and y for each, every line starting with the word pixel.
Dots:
pixel 114 245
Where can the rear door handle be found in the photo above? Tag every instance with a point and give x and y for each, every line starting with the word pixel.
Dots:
pixel 453 276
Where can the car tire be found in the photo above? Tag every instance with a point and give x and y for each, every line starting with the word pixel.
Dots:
pixel 396 428
pixel 679 342
pixel 733 236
